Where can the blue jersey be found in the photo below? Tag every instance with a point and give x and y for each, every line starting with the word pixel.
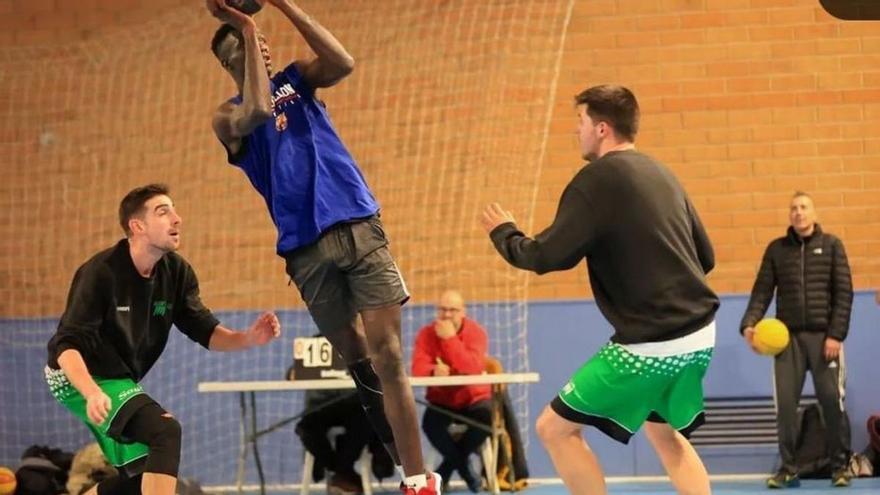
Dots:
pixel 298 163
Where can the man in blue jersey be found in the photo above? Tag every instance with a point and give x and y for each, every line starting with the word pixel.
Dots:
pixel 329 232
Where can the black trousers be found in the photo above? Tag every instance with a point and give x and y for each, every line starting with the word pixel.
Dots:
pixel 455 454
pixel 313 427
pixel 806 353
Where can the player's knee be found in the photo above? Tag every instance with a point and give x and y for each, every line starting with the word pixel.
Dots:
pixel 388 359
pixel 659 433
pixel 548 427
pixel 164 446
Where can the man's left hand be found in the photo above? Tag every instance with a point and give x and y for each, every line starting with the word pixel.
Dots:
pixel 832 349
pixel 493 216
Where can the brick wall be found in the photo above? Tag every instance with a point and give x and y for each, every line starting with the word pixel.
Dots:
pixel 746 100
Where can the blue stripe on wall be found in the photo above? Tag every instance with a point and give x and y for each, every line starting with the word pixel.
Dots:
pixel 562 335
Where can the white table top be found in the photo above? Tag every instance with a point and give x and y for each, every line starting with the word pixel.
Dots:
pixel 343 383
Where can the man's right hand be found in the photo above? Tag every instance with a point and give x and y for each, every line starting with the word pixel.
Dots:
pixel 235 18
pixel 444 329
pixel 97 407
pixel 441 368
pixel 749 334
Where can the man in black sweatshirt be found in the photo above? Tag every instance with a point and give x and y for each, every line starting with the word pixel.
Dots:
pixel 647 254
pixel 809 272
pixel 120 309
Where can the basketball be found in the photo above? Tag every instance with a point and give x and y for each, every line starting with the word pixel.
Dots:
pixel 249 7
pixel 771 336
pixel 7 481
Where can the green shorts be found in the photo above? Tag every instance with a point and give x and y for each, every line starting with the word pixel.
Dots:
pixel 617 391
pixel 121 453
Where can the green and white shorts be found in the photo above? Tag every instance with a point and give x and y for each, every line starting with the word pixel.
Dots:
pixel 120 452
pixel 623 386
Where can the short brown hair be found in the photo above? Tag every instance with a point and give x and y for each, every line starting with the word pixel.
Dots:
pixel 799 193
pixel 615 105
pixel 133 203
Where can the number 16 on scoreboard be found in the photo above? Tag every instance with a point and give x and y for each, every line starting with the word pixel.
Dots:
pixel 314 352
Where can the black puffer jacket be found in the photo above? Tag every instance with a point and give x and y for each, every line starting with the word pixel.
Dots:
pixel 813 284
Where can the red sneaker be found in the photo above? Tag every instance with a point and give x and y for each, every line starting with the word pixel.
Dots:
pixel 433 488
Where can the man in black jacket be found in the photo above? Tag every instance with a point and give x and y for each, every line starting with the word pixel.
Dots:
pixel 809 272
pixel 648 255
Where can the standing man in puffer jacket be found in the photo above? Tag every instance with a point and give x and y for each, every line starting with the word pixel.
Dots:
pixel 810 274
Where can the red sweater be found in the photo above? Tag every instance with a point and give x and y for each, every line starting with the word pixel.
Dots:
pixel 465 354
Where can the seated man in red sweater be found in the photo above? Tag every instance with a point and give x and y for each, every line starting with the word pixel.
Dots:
pixel 454 345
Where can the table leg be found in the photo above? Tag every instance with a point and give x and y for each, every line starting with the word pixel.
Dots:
pixel 254 443
pixel 492 471
pixel 242 450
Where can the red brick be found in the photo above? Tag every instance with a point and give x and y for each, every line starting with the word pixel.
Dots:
pixel 659 23
pixel 751 17
pixel 751 185
pixel 861 95
pixel 794 149
pixel 793 82
pixel 748 84
pixel 774 133
pixel 770 33
pixel 708 119
pixel 723 136
pixel 727 34
pixel 840 148
pixel 748 151
pixel 796 15
pixel 815 31
pixel 793 115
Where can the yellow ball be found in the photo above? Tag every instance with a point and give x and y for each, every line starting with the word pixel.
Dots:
pixel 7 481
pixel 771 336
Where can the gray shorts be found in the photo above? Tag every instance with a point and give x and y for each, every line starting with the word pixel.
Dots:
pixel 347 270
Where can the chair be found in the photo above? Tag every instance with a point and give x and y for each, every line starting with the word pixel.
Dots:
pixel 486 455
pixel 364 462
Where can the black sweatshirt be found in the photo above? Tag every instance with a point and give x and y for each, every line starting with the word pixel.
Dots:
pixel 647 252
pixel 812 281
pixel 119 321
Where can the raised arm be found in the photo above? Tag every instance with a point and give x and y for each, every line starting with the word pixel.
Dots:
pixel 332 62
pixel 560 246
pixel 241 53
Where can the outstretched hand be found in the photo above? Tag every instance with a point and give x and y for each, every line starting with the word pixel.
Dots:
pixel 235 18
pixel 265 329
pixel 493 216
